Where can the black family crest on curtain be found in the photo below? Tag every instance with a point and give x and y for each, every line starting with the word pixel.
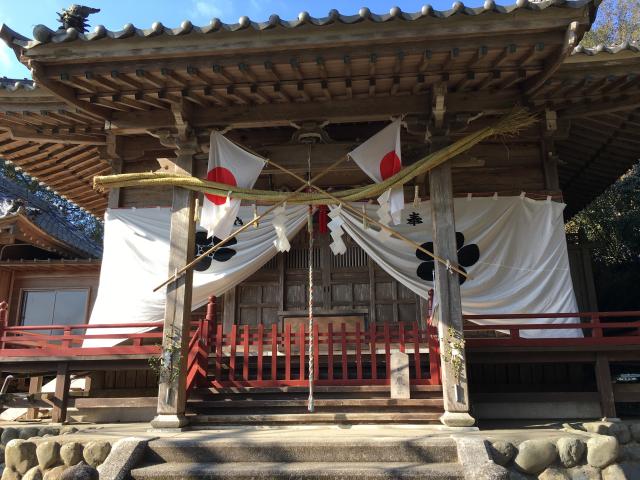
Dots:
pixel 468 255
pixel 223 254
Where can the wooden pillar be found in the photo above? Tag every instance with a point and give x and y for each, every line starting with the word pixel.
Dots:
pixel 447 290
pixel 177 318
pixel 61 395
pixel 112 153
pixel 35 386
pixel 605 387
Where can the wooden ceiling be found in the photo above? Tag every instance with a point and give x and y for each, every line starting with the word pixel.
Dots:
pixel 96 87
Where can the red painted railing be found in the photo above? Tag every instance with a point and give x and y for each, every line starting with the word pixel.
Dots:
pixel 265 357
pixel 594 332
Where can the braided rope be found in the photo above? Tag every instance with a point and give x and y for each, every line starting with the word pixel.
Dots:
pixel 310 406
pixel 508 125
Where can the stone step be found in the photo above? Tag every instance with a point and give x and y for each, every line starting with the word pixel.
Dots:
pixel 317 417
pixel 299 471
pixel 321 403
pixel 304 449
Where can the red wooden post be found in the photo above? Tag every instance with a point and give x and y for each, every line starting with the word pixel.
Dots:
pixel 274 352
pixel 597 330
pixel 358 353
pixel 387 350
pixel 434 352
pixel 330 351
pixel 3 321
pixel 343 348
pixel 372 341
pixel 210 320
pixel 219 338
pixel 301 342
pixel 416 349
pixel 401 336
pixel 287 352
pixel 245 353
pixel 260 352
pixel 67 337
pixel 232 358
pixel 316 354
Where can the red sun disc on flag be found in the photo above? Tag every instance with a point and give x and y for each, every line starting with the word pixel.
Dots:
pixel 389 165
pixel 220 175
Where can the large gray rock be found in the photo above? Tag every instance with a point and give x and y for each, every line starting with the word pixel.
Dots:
pixel 71 453
pixel 55 473
pixel 128 452
pixel 10 474
pixel 635 431
pixel 33 474
pixel 503 452
pixel 553 473
pixel 629 452
pixel 621 432
pixel 48 431
pixel 81 471
pixel 9 434
pixel 96 452
pixel 601 428
pixel 534 456
pixel 602 451
pixel 584 472
pixel 48 454
pixel 570 450
pixel 622 471
pixel 28 432
pixel 1 454
pixel 20 455
pixel 515 475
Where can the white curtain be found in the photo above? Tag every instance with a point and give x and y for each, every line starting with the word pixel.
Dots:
pixel 136 255
pixel 519 263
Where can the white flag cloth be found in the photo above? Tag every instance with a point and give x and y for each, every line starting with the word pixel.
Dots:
pixel 380 157
pixel 136 256
pixel 231 165
pixel 513 248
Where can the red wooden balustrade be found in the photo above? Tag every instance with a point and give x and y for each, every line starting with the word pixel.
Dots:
pixel 266 357
pixel 594 332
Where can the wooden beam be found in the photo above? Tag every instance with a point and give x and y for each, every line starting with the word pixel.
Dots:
pixel 447 288
pixel 61 396
pixel 33 135
pixel 599 108
pixel 177 321
pixel 605 388
pixel 336 111
pixel 64 92
pixel 570 41
pixel 35 386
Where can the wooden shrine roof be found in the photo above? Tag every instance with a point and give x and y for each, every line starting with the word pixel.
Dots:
pixel 344 69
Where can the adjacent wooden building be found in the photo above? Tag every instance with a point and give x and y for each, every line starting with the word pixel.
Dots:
pixel 139 100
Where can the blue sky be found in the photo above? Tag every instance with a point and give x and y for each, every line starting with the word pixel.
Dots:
pixel 22 15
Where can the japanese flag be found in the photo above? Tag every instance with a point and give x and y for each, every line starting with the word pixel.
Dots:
pixel 231 165
pixel 380 158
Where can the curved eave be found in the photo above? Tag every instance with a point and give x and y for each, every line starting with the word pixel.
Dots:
pixel 598 150
pixel 66 169
pixel 425 17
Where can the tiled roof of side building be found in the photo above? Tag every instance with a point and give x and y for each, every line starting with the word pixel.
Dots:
pixel 50 219
pixel 44 34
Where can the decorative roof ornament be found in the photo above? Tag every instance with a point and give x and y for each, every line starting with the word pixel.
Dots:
pixel 76 17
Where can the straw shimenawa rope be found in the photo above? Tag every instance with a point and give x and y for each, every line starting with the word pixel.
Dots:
pixel 509 125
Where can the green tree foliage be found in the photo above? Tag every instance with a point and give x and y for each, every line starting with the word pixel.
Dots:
pixel 618 21
pixel 84 221
pixel 611 223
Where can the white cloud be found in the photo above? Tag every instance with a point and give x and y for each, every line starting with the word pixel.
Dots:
pixel 208 9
